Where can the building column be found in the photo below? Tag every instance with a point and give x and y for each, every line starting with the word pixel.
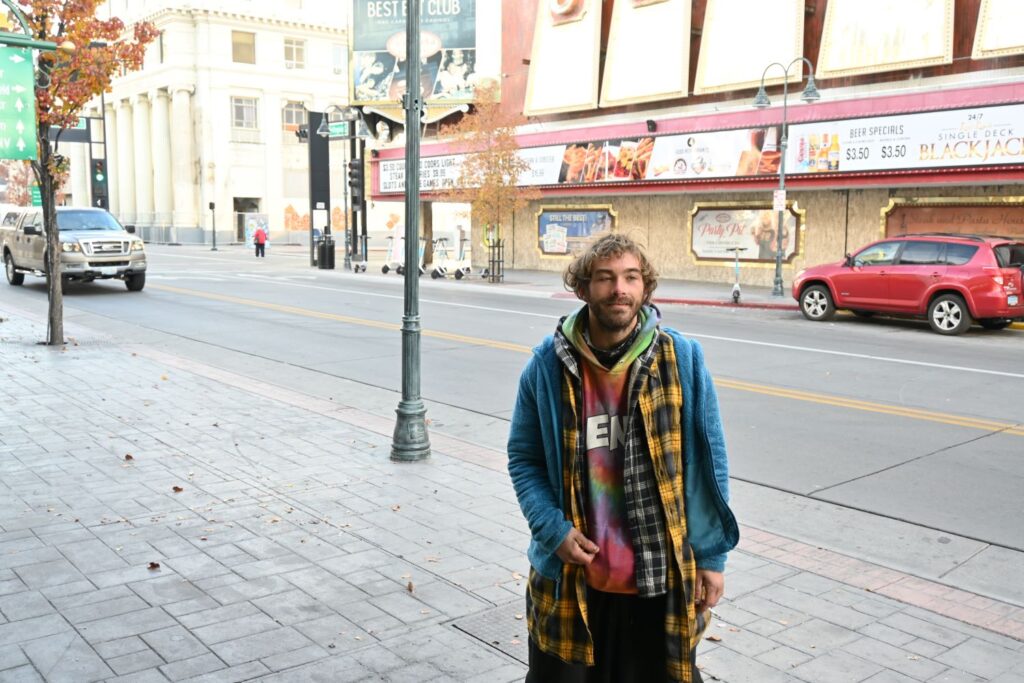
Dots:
pixel 183 158
pixel 80 171
pixel 126 163
pixel 273 199
pixel 143 161
pixel 163 197
pixel 110 135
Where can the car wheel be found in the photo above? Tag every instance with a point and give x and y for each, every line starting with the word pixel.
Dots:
pixel 816 303
pixel 864 314
pixel 948 314
pixel 995 323
pixel 136 282
pixel 13 277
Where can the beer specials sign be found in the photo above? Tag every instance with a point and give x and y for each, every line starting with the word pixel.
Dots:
pixel 980 136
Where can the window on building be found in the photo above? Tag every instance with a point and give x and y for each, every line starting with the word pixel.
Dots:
pixel 338 54
pixel 160 47
pixel 294 53
pixel 294 115
pixel 244 113
pixel 243 47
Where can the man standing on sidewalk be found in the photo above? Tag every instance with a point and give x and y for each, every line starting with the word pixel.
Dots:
pixel 618 459
pixel 259 238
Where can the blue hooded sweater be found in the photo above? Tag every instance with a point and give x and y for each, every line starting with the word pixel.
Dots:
pixel 535 459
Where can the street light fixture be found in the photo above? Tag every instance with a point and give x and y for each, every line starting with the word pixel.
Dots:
pixel 761 101
pixel 349 115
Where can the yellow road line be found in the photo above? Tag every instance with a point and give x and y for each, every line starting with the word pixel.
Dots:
pixel 778 392
pixel 868 406
pixel 364 322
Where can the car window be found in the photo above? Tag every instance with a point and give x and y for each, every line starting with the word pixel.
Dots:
pixel 959 254
pixel 920 253
pixel 11 218
pixel 1010 255
pixel 881 254
pixel 86 220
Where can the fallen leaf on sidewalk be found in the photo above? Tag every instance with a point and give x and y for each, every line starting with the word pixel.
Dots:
pixel 406 576
pixel 202 538
pixel 153 566
pixel 177 489
pixel 515 641
pixel 435 560
pixel 409 587
pixel 396 508
pixel 517 576
pixel 163 377
pixel 519 617
pixel 129 456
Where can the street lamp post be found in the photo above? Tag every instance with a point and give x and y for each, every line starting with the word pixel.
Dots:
pixel 410 441
pixel 350 115
pixel 761 101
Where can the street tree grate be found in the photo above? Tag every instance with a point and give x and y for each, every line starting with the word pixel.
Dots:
pixel 500 628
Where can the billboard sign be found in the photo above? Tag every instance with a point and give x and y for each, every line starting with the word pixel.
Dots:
pixel 450 31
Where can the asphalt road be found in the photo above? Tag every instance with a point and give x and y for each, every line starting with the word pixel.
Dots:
pixel 880 416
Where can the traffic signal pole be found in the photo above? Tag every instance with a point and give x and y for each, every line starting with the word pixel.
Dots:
pixel 354 189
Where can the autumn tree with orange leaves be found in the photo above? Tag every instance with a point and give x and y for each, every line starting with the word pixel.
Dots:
pixel 92 51
pixel 491 166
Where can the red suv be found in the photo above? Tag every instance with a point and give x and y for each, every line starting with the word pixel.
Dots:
pixel 953 279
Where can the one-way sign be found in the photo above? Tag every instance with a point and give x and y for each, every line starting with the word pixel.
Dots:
pixel 17 104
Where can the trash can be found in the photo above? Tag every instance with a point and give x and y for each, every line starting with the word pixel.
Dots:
pixel 325 257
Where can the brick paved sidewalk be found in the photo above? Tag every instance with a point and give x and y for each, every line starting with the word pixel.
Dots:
pixel 259 533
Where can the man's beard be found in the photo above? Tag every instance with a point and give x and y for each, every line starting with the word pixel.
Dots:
pixel 615 320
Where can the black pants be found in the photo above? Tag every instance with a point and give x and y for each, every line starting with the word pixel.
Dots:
pixel 629 644
pixel 261 250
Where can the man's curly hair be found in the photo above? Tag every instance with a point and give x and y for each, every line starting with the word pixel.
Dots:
pixel 579 273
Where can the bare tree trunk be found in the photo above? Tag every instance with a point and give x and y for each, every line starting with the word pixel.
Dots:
pixel 55 315
pixel 427 215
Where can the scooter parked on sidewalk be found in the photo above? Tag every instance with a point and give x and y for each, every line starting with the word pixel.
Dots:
pixel 401 268
pixel 441 259
pixel 465 267
pixel 394 255
pixel 736 292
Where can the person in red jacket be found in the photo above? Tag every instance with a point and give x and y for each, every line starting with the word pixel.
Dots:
pixel 259 238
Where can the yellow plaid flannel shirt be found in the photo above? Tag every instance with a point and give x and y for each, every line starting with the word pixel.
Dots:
pixel 557 611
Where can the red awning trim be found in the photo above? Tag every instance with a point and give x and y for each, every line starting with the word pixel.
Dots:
pixel 938 100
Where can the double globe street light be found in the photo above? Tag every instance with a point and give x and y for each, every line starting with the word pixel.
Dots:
pixel 761 101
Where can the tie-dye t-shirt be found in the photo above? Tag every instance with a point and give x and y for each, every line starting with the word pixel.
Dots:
pixel 605 407
pixel 604 420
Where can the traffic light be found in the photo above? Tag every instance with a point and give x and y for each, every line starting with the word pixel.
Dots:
pixel 355 180
pixel 98 180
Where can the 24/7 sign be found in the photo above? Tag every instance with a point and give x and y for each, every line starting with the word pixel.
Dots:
pixel 17 104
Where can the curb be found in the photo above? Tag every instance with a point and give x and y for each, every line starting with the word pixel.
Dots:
pixel 727 304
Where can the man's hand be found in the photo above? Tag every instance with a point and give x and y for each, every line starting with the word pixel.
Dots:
pixel 709 589
pixel 576 549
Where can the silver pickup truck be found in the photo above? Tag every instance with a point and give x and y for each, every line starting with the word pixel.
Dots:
pixel 93 246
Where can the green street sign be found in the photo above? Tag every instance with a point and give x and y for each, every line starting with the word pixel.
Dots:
pixel 37 195
pixel 340 130
pixel 17 104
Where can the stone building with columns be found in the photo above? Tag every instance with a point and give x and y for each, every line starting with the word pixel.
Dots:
pixel 212 116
